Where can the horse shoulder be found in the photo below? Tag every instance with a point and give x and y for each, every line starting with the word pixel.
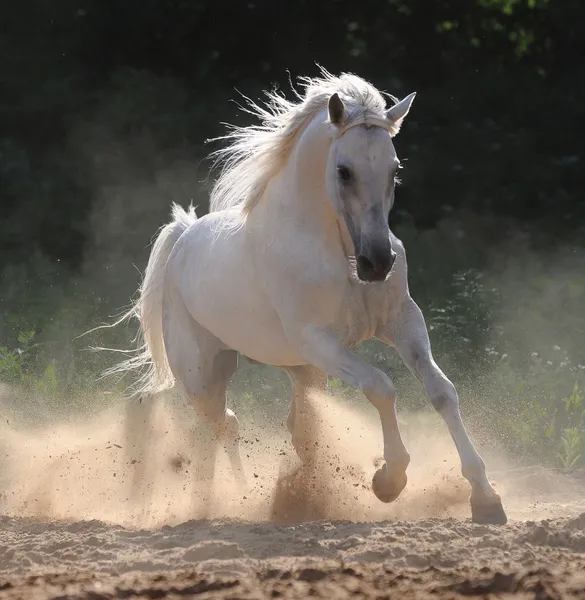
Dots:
pixel 305 283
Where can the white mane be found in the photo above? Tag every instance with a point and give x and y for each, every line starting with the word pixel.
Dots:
pixel 256 153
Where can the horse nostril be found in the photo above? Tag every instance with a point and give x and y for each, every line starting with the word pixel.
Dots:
pixel 375 268
pixel 365 264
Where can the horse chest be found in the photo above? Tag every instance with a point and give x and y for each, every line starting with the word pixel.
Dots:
pixel 359 317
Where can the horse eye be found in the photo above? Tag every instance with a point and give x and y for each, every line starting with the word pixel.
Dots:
pixel 344 173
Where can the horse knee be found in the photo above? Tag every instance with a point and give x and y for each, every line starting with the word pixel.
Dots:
pixel 380 390
pixel 443 396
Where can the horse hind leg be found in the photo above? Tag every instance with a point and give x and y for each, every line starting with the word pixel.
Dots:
pixel 203 366
pixel 137 425
pixel 227 428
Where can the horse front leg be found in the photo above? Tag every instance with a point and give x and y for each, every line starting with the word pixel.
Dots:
pixel 323 350
pixel 408 333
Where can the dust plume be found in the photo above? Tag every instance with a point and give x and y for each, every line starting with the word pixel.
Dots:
pixel 335 483
pixel 133 465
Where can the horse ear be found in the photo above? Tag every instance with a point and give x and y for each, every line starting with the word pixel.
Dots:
pixel 336 109
pixel 398 112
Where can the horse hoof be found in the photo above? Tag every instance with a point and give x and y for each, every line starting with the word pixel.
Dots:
pixel 490 514
pixel 385 488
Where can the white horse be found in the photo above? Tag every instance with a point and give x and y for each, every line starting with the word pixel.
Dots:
pixel 293 266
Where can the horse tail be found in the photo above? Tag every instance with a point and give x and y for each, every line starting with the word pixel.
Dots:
pixel 151 355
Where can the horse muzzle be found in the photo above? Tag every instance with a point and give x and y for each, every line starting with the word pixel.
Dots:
pixel 375 265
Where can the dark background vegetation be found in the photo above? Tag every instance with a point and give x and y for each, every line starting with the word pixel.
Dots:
pixel 104 109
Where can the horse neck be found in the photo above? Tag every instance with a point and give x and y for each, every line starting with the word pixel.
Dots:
pixel 305 176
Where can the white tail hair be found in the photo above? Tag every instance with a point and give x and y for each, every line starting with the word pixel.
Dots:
pixel 148 309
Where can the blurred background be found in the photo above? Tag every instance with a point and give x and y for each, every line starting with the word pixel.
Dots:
pixel 105 106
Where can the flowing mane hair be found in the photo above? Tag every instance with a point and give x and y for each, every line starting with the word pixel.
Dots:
pixel 256 153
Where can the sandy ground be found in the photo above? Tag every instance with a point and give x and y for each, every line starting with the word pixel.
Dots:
pixel 110 508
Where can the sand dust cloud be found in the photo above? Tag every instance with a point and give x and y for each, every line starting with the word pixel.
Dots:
pixel 132 465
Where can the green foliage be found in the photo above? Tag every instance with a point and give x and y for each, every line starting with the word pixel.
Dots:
pixel 572 440
pixel 570 421
pixel 18 367
pixel 14 363
pixel 46 385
